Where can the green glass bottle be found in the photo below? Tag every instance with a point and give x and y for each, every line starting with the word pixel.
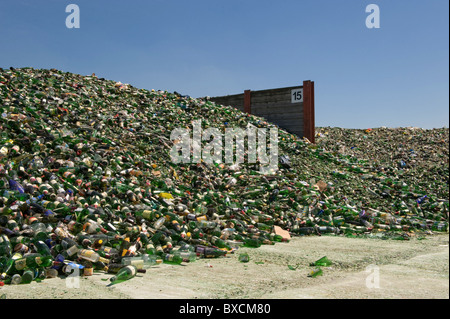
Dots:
pixel 202 224
pixel 13 225
pixel 172 217
pixel 174 259
pixel 146 214
pixel 216 241
pixel 324 261
pixel 16 265
pixel 15 279
pixel 4 211
pixel 28 275
pixel 107 252
pixel 244 258
pixel 60 208
pixel 263 226
pixel 186 256
pixel 114 268
pixel 209 252
pixel 42 248
pixel 251 242
pixel 5 246
pixel 126 273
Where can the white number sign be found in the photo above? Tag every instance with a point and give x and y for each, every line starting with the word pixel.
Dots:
pixel 297 95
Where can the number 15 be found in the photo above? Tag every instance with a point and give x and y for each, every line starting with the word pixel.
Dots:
pixel 297 95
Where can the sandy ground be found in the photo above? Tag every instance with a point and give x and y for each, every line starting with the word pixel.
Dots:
pixel 415 269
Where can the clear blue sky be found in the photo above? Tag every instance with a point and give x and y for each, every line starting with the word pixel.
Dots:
pixel 394 76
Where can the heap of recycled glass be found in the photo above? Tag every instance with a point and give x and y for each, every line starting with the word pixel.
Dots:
pixel 87 179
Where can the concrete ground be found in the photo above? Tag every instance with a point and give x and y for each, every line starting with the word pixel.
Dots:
pixel 361 269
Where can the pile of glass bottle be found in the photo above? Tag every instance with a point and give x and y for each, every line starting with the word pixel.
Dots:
pixel 87 182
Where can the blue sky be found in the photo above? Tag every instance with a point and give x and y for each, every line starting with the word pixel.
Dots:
pixel 397 75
